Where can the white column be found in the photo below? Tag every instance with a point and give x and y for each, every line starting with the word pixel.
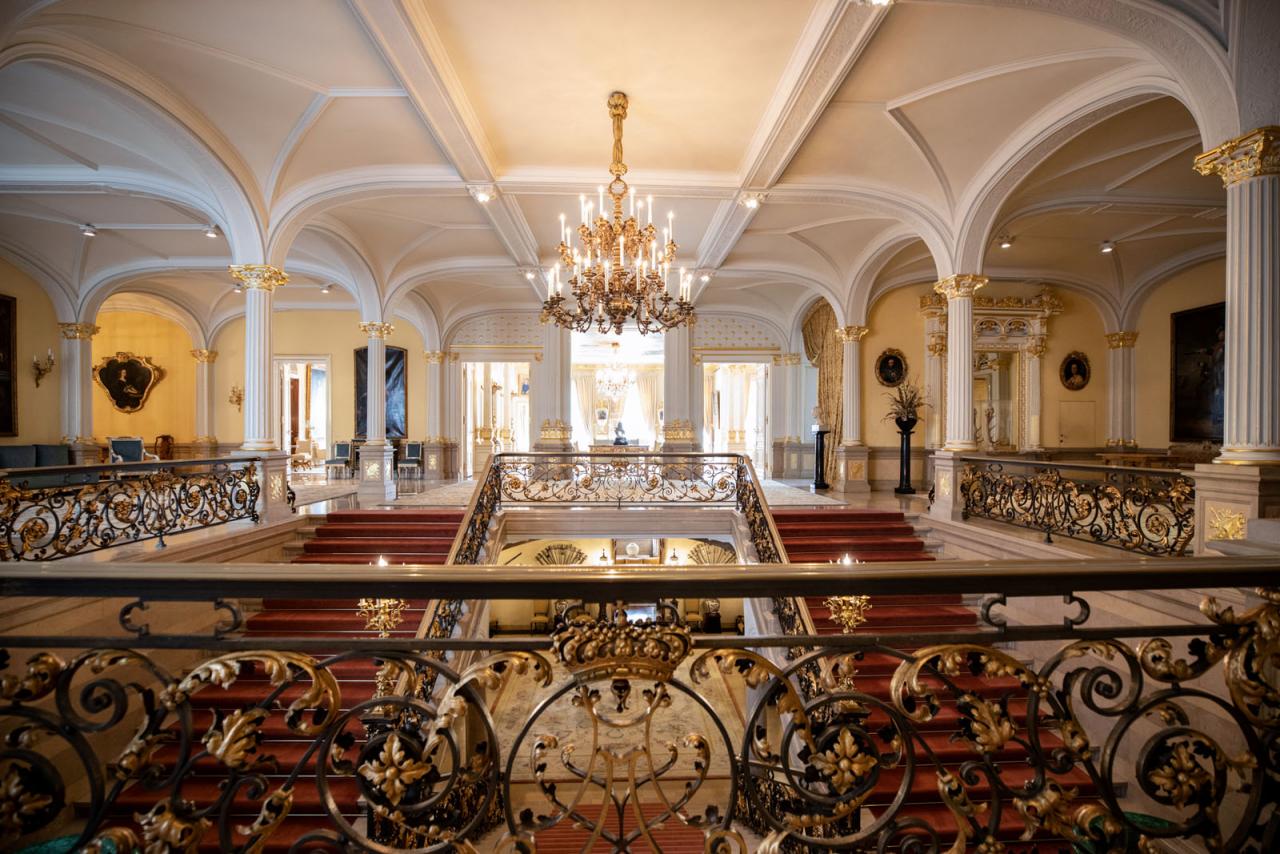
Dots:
pixel 852 455
pixel 1034 353
pixel 434 446
pixel 678 377
pixel 1250 169
pixel 959 292
pixel 934 307
pixel 551 421
pixel 204 400
pixel 259 282
pixel 451 423
pixel 76 379
pixel 1122 390
pixel 377 456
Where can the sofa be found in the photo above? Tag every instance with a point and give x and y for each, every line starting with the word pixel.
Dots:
pixel 42 456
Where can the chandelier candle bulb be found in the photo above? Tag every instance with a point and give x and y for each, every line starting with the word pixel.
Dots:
pixel 650 203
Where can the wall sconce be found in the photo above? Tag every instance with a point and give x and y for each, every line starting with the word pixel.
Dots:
pixel 42 368
pixel 237 397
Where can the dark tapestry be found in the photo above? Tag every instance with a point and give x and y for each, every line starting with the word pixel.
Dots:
pixel 397 403
pixel 8 375
pixel 1196 398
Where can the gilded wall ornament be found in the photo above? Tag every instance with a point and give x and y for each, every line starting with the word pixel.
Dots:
pixel 128 380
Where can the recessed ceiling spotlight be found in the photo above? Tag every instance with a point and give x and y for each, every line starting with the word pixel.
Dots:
pixel 704 278
pixel 528 274
pixel 211 232
pixel 1106 247
pixel 88 230
pixel 482 197
pixel 1006 241
pixel 751 201
pixel 482 194
pixel 237 289
pixel 325 289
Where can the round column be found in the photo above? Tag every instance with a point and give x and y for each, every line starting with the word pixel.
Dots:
pixel 1250 169
pixel 77 390
pixel 259 282
pixel 376 385
pixel 851 337
pixel 959 291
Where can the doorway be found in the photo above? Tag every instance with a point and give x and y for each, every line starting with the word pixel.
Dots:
pixel 735 399
pixel 301 401
pixel 616 390
pixel 495 411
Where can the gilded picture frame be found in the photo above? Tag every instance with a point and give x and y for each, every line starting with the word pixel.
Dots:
pixel 1075 371
pixel 891 368
pixel 128 380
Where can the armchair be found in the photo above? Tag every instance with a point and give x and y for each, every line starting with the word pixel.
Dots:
pixel 128 449
pixel 341 459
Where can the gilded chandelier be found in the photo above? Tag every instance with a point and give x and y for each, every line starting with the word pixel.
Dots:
pixel 614 381
pixel 618 271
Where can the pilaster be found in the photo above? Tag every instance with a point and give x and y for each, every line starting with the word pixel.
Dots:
pixel 259 282
pixel 76 379
pixel 934 308
pixel 959 291
pixel 1033 351
pixel 679 375
pixel 1121 410
pixel 435 444
pixel 549 388
pixel 206 443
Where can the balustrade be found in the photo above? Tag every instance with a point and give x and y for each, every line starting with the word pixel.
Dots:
pixel 1132 734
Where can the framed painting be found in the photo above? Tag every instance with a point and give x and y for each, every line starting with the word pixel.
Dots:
pixel 1075 372
pixel 8 368
pixel 128 380
pixel 1196 395
pixel 397 402
pixel 891 368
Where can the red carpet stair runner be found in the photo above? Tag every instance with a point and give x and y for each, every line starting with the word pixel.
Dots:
pixel 873 535
pixel 357 537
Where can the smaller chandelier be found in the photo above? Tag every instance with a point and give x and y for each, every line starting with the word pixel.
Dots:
pixel 618 271
pixel 613 382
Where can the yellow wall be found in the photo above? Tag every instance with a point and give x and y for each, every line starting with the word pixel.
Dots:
pixel 335 334
pixel 39 409
pixel 171 406
pixel 1202 285
pixel 895 321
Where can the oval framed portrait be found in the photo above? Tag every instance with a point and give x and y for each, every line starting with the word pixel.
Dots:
pixel 1074 371
pixel 891 368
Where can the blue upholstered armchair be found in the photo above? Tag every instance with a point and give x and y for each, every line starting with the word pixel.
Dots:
pixel 128 449
pixel 341 459
pixel 410 458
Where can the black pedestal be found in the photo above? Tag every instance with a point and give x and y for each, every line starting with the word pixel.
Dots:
pixel 905 427
pixel 820 461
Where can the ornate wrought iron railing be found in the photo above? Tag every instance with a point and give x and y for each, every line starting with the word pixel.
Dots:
pixel 1119 736
pixel 56 512
pixel 617 479
pixel 1151 511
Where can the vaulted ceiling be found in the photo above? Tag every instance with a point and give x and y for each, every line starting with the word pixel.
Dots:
pixel 352 143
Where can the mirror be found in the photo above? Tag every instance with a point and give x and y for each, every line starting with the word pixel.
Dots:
pixel 995 398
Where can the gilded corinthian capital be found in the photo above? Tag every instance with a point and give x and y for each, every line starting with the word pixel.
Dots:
pixel 1121 340
pixel 961 285
pixel 852 333
pixel 207 356
pixel 262 277
pixel 78 331
pixel 1252 155
pixel 376 328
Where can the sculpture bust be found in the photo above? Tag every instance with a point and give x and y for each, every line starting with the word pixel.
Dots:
pixel 619 435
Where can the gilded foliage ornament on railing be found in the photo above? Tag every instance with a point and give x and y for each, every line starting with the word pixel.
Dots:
pixel 827 770
pixel 1147 512
pixel 52 522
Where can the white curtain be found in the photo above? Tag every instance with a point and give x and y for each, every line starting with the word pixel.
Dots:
pixel 649 388
pixel 584 408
